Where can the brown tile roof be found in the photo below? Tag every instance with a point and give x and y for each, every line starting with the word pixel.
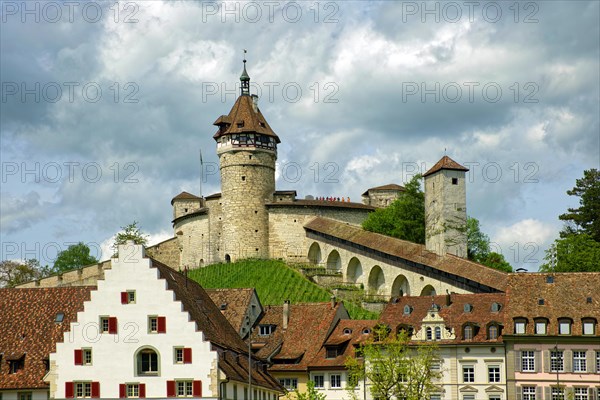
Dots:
pixel 213 196
pixel 567 297
pixel 201 211
pixel 445 163
pixel 235 301
pixel 243 112
pixel 321 203
pixel 185 196
pixel 391 186
pixel 235 367
pixel 454 315
pixel 346 342
pixel 28 326
pixel 467 271
pixel 308 327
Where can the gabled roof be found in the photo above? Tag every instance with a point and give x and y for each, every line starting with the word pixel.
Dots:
pixel 346 342
pixel 235 303
pixel 563 295
pixel 416 253
pixel 235 367
pixel 445 163
pixel 308 327
pixel 28 327
pixel 388 187
pixel 244 113
pixel 454 314
pixel 185 196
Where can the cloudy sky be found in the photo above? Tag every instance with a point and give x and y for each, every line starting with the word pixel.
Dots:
pixel 105 107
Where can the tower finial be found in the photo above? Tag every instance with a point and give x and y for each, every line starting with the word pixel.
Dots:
pixel 245 79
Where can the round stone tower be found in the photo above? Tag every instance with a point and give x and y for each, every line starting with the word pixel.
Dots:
pixel 247 150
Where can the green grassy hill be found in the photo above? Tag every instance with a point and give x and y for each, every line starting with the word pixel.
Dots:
pixel 274 282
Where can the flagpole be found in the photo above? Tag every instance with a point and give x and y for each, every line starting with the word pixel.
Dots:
pixel 201 172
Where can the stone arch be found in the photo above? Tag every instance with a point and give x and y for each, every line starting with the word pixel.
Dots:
pixel 227 258
pixel 400 287
pixel 314 254
pixel 428 291
pixel 354 271
pixel 334 261
pixel 376 279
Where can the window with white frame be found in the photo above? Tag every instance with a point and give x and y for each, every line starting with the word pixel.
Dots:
pixel 581 394
pixel 289 383
pixel 520 326
pixel 493 374
pixel 557 361
pixel 540 327
pixel 598 368
pixel 469 397
pixel 185 388
pixel 335 381
pixel 493 332
pixel 468 373
pixel 25 395
pixel 564 327
pixel 133 390
pixel 438 333
pixel 428 333
pixel 528 361
pixel 558 393
pixel 589 327
pixel 319 381
pixel 529 393
pixel 579 364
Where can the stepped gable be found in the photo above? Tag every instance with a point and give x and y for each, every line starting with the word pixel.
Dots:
pixel 244 117
pixel 28 328
pixel 445 163
pixel 413 252
pixel 185 196
pixel 564 295
pixel 359 330
pixel 390 186
pixel 201 308
pixel 294 348
pixel 235 302
pixel 454 315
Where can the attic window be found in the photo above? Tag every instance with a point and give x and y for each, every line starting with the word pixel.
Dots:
pixel 495 307
pixel 366 331
pixel 16 365
pixel 540 302
pixel 589 300
pixel 407 309
pixel 347 331
pixel 266 330
pixel 468 308
pixel 262 124
pixel 549 279
pixel 240 124
pixel 223 306
pixel 332 352
pixel 59 317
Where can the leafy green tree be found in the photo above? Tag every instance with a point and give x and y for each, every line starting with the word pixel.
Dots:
pixel 76 256
pixel 585 218
pixel 573 253
pixel 478 248
pixel 13 273
pixel 393 367
pixel 404 218
pixel 130 232
pixel 311 393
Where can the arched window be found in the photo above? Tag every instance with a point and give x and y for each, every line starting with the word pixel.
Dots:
pixel 493 332
pixel 438 333
pixel 428 333
pixel 147 362
pixel 468 332
pixel 227 258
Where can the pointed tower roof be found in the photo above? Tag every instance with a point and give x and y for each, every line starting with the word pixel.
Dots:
pixel 445 163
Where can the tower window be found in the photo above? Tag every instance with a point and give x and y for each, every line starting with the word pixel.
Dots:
pixel 243 178
pixel 455 181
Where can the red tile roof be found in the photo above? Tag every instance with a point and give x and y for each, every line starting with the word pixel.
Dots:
pixel 235 302
pixel 185 196
pixel 347 334
pixel 308 327
pixel 445 163
pixel 566 296
pixel 454 314
pixel 28 326
pixel 243 111
pixel 467 271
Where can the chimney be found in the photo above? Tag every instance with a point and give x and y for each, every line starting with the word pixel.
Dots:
pixel 448 299
pixel 333 301
pixel 286 313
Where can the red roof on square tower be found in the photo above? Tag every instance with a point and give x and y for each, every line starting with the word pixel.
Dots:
pixel 445 163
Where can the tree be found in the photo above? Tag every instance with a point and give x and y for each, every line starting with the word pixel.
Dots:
pixel 478 248
pixel 130 232
pixel 585 218
pixel 13 273
pixel 76 256
pixel 394 367
pixel 573 253
pixel 311 393
pixel 404 218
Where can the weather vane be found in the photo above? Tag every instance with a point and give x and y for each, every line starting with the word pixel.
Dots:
pixel 245 56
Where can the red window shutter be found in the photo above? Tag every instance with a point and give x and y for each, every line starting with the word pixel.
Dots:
pixel 197 389
pixel 69 390
pixel 187 355
pixel 122 391
pixel 142 393
pixel 112 325
pixel 78 357
pixel 95 390
pixel 162 325
pixel 124 298
pixel 170 388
